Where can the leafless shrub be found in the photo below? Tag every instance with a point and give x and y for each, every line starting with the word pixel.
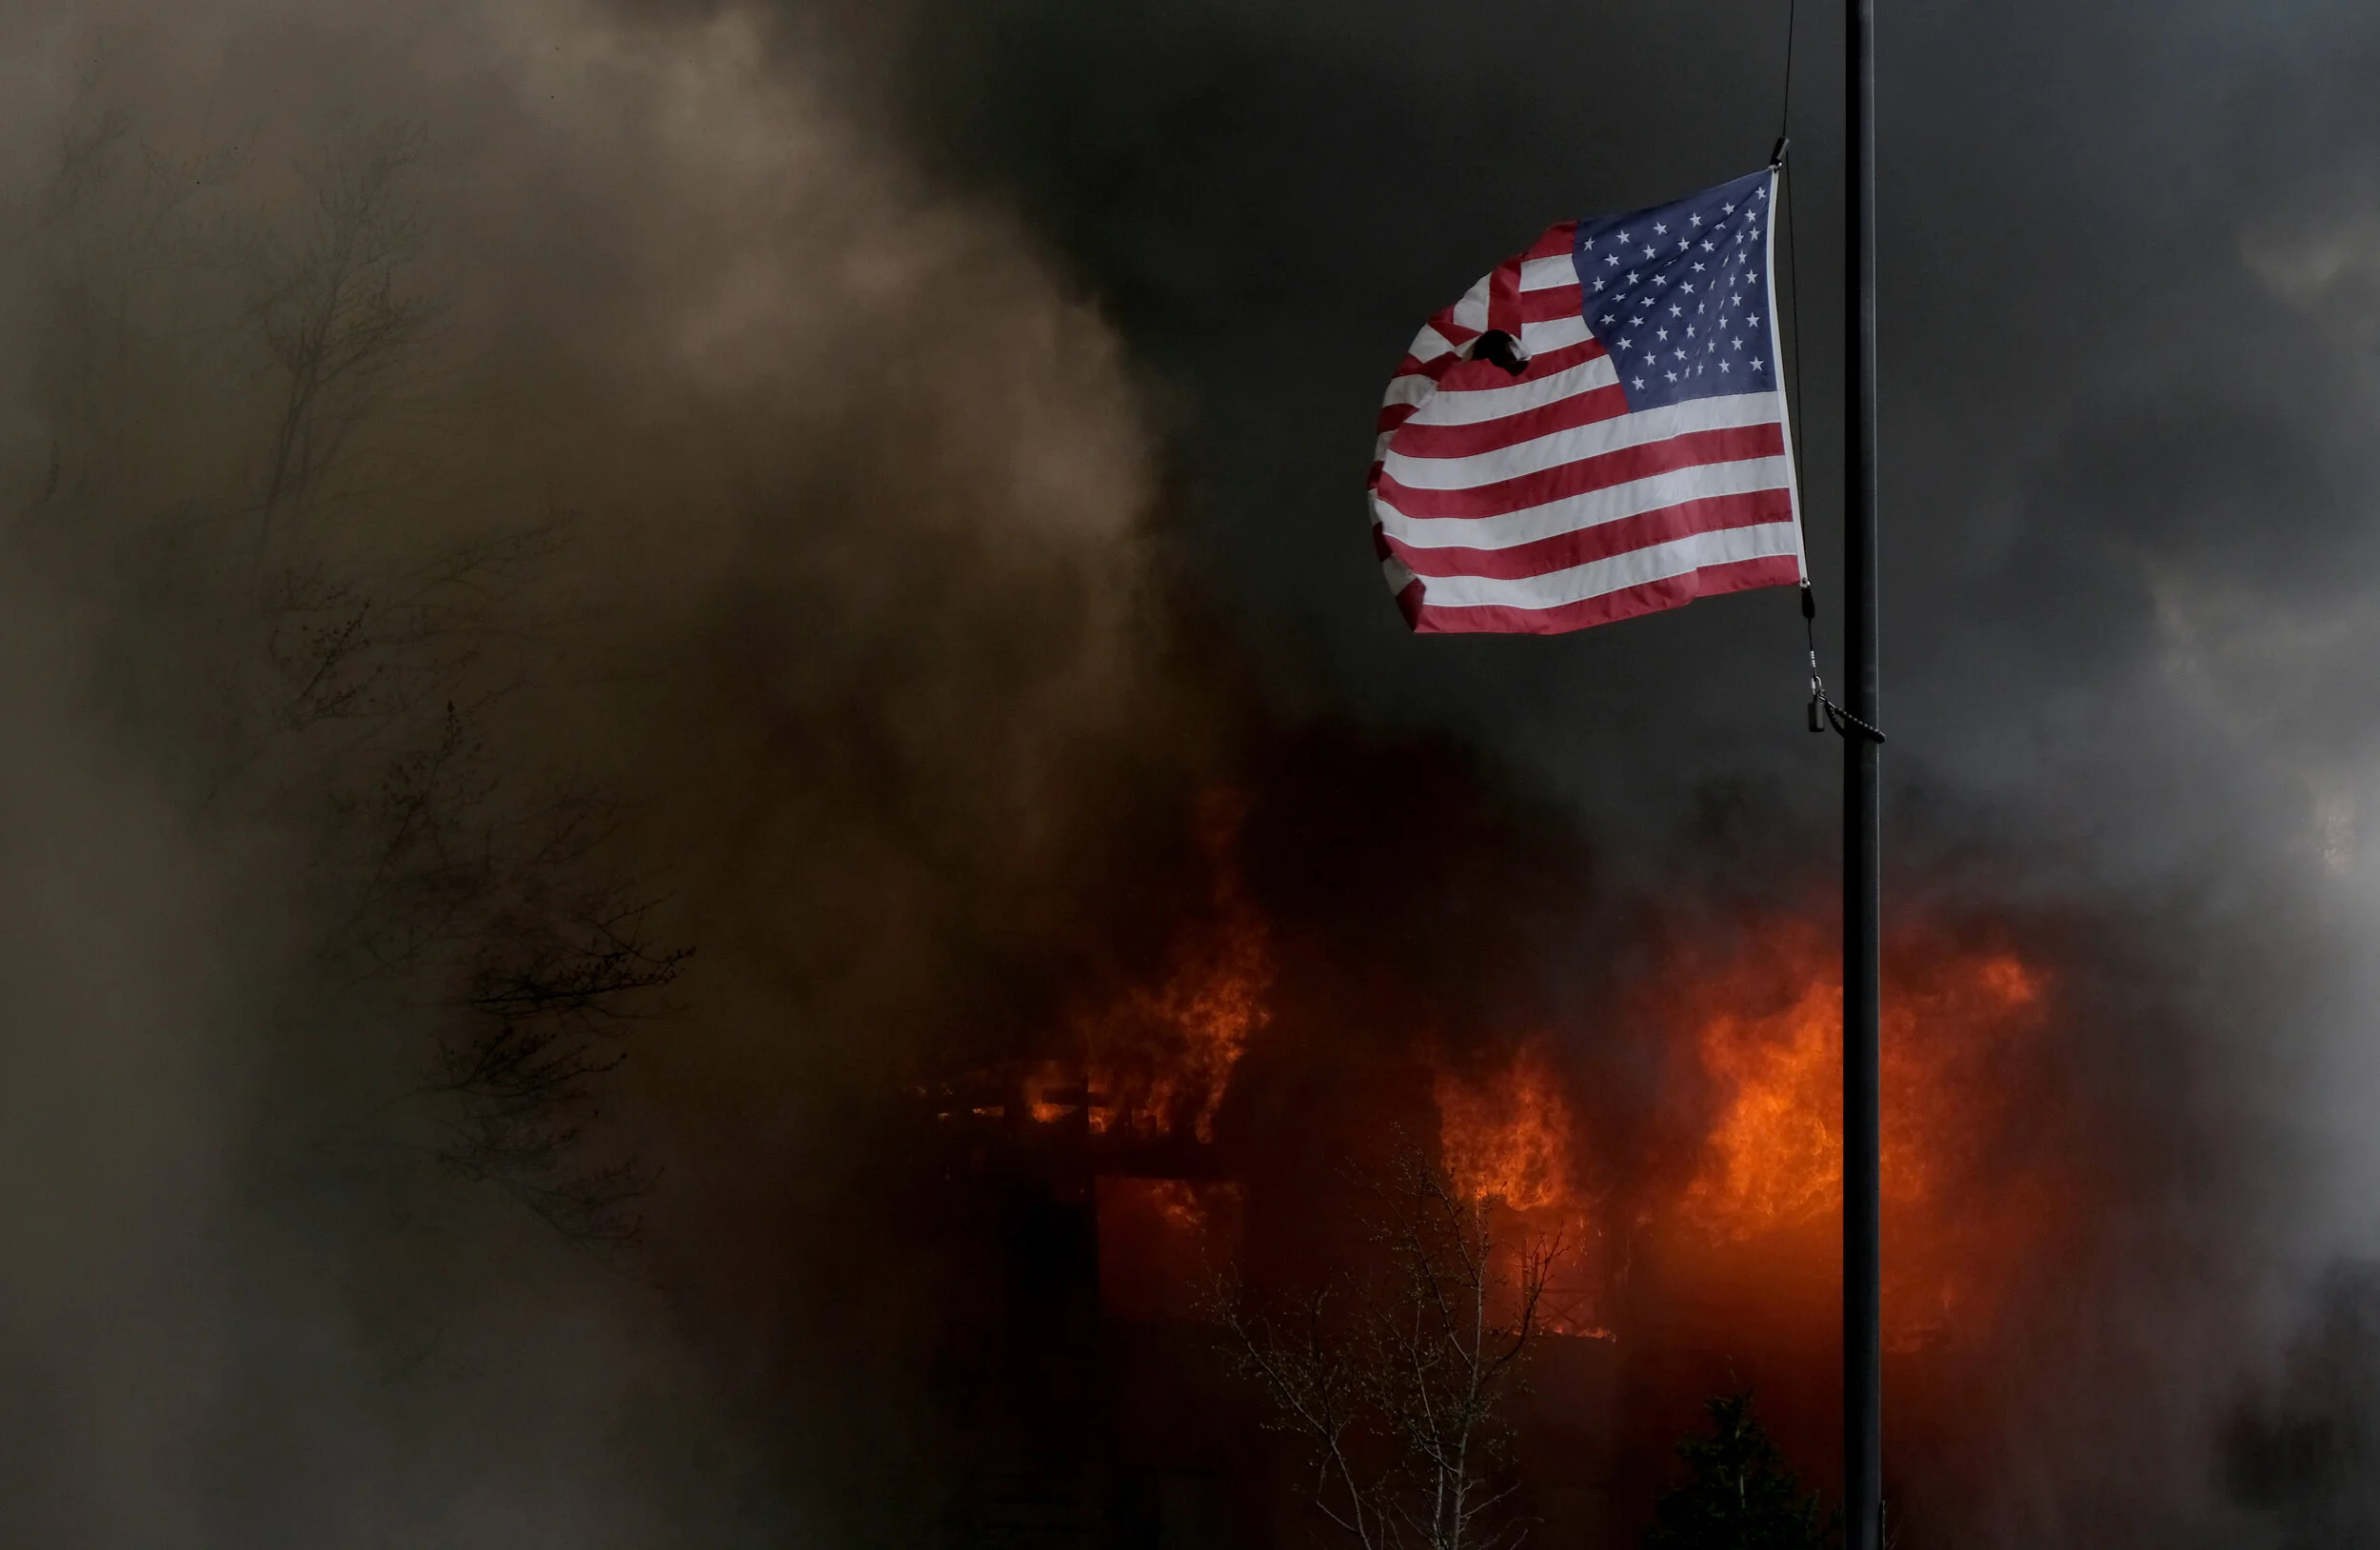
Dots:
pixel 1397 1383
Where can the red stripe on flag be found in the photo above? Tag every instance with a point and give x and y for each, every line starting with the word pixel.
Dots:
pixel 1556 239
pixel 1432 441
pixel 1545 363
pixel 1551 303
pixel 1454 334
pixel 1504 297
pixel 1560 551
pixel 1650 597
pixel 1688 450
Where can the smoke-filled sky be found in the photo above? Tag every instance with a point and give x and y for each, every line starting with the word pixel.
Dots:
pixel 501 492
pixel 2129 260
pixel 2078 212
pixel 2128 296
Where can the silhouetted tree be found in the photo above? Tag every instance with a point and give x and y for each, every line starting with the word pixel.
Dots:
pixel 1397 1384
pixel 334 312
pixel 310 658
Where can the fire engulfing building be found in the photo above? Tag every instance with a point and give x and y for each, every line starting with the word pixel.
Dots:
pixel 1207 1132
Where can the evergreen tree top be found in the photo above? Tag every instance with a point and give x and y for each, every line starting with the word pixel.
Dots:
pixel 1738 1494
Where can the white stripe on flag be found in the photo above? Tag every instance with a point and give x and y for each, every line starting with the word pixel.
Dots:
pixel 1561 447
pixel 1545 274
pixel 1472 310
pixel 1591 509
pixel 1428 345
pixel 1451 406
pixel 1555 333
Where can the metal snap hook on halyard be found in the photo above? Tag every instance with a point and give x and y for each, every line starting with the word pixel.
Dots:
pixel 1824 712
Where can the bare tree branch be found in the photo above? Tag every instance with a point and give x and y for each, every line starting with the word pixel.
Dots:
pixel 221 365
pixel 1400 1391
pixel 333 316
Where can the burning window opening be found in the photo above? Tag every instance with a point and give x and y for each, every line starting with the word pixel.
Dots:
pixel 1506 1140
pixel 1155 1063
pixel 1164 1056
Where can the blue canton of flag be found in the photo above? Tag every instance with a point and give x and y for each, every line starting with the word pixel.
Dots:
pixel 1679 296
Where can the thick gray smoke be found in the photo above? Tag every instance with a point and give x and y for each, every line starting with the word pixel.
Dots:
pixel 495 497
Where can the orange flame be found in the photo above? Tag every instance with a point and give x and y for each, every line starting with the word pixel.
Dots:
pixel 1045 1086
pixel 1768 1032
pixel 1776 1157
pixel 1506 1140
pixel 1164 1056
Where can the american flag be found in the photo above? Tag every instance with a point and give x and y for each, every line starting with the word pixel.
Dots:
pixel 1596 430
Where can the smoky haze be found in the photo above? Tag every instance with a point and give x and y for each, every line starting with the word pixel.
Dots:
pixel 498 498
pixel 2126 259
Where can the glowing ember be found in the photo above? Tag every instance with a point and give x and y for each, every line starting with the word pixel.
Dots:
pixel 1052 1092
pixel 1164 1244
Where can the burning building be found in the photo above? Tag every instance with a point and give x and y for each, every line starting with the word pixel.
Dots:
pixel 1206 1133
pixel 738 521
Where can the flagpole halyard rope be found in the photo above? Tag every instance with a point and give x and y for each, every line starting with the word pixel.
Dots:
pixel 1825 711
pixel 1793 255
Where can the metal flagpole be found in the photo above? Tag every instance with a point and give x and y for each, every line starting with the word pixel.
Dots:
pixel 1863 1341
